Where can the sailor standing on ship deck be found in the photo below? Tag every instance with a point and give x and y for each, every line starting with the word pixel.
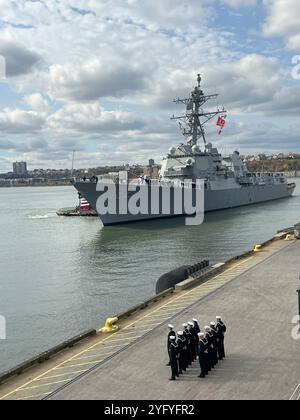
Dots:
pixel 203 355
pixel 188 335
pixel 183 356
pixel 171 333
pixel 197 330
pixel 221 327
pixel 213 331
pixel 193 341
pixel 209 338
pixel 173 351
pixel 181 352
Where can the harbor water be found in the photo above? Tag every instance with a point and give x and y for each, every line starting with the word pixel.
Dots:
pixel 61 276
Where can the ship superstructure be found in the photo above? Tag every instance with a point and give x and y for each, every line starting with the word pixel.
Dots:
pixel 227 181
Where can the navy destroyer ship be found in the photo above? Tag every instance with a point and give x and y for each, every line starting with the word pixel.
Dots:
pixel 227 181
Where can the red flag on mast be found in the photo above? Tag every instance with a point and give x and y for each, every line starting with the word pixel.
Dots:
pixel 221 123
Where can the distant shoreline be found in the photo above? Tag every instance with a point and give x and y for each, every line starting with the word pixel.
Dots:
pixel 36 185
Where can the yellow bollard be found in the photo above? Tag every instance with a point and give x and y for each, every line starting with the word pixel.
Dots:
pixel 257 248
pixel 289 237
pixel 110 326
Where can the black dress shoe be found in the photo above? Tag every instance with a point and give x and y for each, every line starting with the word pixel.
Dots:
pixel 168 364
pixel 201 376
pixel 172 379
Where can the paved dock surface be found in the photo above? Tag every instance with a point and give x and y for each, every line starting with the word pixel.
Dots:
pixel 258 301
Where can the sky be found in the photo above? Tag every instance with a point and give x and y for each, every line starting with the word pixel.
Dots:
pixel 99 77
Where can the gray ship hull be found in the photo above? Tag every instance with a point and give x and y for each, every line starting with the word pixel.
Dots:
pixel 214 200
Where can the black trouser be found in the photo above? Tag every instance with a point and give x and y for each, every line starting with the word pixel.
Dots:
pixel 193 350
pixel 185 359
pixel 221 350
pixel 211 358
pixel 206 361
pixel 174 368
pixel 190 356
pixel 215 354
pixel 202 365
pixel 222 347
pixel 181 362
pixel 196 347
pixel 169 357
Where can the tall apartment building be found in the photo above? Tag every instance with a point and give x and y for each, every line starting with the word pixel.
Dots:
pixel 20 168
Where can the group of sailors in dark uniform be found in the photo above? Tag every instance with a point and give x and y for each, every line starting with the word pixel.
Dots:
pixel 189 344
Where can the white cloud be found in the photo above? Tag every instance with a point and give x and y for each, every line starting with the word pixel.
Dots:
pixel 18 121
pixel 102 77
pixel 239 3
pixel 90 118
pixel 283 20
pixel 37 102
pixel 244 83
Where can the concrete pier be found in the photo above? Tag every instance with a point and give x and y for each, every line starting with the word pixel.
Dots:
pixel 256 295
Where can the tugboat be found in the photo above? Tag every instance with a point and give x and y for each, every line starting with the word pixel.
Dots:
pixel 227 181
pixel 84 209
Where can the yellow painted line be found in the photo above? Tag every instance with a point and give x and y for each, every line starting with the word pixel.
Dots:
pixel 48 384
pixel 61 374
pixel 136 330
pixel 93 362
pixel 118 340
pixel 202 289
pixel 207 289
pixel 100 344
pixel 94 355
pixel 109 337
pixel 152 324
pixel 164 313
pixel 169 309
pixel 189 300
pixel 34 396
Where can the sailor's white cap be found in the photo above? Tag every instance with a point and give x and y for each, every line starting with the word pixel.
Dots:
pixel 172 337
pixel 195 320
pixel 180 333
pixel 212 324
pixel 201 335
pixel 207 327
pixel 171 326
pixel 218 318
pixel 191 323
pixel 185 325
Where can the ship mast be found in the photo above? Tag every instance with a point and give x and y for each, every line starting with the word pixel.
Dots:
pixel 195 117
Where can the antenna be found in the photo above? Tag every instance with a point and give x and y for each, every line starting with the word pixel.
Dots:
pixel 199 79
pixel 194 125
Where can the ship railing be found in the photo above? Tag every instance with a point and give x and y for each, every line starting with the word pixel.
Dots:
pixel 152 182
pixel 84 179
pixel 169 183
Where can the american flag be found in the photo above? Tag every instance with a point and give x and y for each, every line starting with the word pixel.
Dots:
pixel 85 205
